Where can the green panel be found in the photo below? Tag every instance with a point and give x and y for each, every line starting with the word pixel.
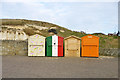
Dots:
pixel 49 46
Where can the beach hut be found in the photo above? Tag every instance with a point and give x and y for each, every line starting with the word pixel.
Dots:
pixel 72 46
pixel 54 46
pixel 36 45
pixel 90 46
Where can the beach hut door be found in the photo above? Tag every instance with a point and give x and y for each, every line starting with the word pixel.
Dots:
pixel 55 45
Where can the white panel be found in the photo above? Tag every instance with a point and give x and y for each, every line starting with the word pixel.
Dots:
pixel 53 52
pixel 54 45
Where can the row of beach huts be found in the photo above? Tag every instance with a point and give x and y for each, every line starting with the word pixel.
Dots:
pixel 72 46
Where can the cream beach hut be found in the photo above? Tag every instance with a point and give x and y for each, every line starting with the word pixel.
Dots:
pixel 36 45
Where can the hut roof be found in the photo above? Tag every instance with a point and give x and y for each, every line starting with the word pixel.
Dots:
pixel 90 35
pixel 38 35
pixel 73 37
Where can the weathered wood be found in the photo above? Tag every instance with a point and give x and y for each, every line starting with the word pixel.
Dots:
pixel 72 46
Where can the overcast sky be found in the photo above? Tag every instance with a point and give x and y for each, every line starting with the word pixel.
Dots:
pixel 90 17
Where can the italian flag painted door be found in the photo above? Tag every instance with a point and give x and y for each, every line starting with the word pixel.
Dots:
pixel 54 46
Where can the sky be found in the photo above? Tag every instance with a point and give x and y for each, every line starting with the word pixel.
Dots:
pixel 91 17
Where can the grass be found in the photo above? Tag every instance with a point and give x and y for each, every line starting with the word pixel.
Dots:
pixel 105 41
pixel 115 37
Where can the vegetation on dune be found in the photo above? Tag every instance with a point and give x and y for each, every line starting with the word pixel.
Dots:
pixel 12 22
pixel 105 40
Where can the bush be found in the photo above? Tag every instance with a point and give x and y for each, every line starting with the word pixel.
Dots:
pixel 53 30
pixel 29 31
pixel 115 37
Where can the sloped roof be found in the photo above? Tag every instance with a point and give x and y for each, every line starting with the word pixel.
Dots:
pixel 37 35
pixel 55 35
pixel 89 35
pixel 73 37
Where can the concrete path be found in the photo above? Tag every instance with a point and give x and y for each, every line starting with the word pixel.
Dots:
pixel 59 67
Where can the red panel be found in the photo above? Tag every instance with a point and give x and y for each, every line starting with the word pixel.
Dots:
pixel 60 46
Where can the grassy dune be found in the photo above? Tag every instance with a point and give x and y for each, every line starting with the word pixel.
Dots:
pixel 105 41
